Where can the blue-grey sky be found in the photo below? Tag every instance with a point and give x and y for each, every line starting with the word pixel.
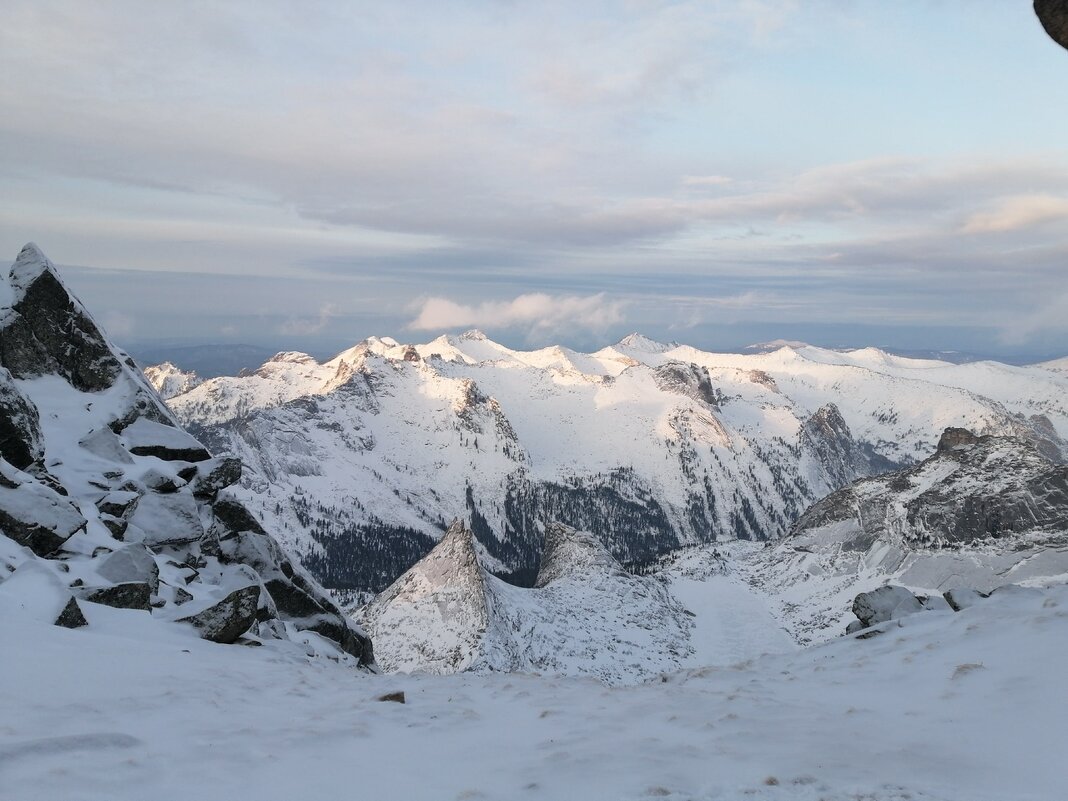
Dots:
pixel 307 174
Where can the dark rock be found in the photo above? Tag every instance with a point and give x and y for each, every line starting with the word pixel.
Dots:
pixel 395 697
pixel 953 438
pixel 216 474
pixel 115 525
pixel 1053 14
pixel 130 595
pixel 49 331
pixel 71 617
pixel 828 436
pixel 20 426
pixel 962 598
pixel 182 596
pixel 235 516
pixel 885 603
pixel 228 619
pixel 35 515
pixel 689 380
pixel 117 503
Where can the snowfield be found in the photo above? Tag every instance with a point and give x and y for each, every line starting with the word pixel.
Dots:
pixel 941 707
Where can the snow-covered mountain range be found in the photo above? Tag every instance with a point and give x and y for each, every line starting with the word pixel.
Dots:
pixel 361 461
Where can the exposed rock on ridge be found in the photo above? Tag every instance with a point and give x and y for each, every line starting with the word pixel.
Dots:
pixel 104 499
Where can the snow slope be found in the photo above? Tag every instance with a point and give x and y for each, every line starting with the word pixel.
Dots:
pixel 943 707
pixel 650 446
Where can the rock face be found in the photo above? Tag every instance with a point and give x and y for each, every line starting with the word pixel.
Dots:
pixel 1053 14
pixel 585 616
pixel 971 490
pixel 132 511
pixel 979 513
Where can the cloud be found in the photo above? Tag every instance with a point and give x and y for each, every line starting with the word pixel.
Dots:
pixel 117 324
pixel 1018 213
pixel 706 180
pixel 536 312
pixel 306 326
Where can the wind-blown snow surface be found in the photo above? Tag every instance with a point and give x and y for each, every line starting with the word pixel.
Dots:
pixel 943 707
pixel 374 451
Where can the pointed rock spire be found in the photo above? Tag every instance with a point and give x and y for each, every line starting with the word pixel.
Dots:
pixel 569 552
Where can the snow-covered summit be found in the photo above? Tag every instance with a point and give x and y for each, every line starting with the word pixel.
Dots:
pixel 569 553
pixel 586 616
pixel 639 342
pixel 169 380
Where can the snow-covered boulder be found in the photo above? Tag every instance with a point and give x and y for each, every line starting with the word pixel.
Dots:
pixel 885 603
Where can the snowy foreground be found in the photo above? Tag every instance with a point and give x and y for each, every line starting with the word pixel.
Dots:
pixel 964 707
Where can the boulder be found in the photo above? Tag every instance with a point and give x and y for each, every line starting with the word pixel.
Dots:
pixel 144 437
pixel 214 475
pixel 171 519
pixel 228 619
pixel 134 563
pixel 962 598
pixel 71 617
pixel 128 595
pixel 35 515
pixel 885 603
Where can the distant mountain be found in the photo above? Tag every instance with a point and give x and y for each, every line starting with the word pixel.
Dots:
pixel 207 361
pixel 359 462
pixel 169 380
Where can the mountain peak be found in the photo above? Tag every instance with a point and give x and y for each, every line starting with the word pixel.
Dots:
pixel 474 335
pixel 636 341
pixel 570 552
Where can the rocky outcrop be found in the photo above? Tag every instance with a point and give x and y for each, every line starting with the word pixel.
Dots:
pixel 568 553
pixel 586 616
pixel 20 427
pixel 48 331
pixel 972 489
pixel 131 512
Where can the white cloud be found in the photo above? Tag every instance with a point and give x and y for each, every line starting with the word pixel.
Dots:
pixel 1017 213
pixel 306 326
pixel 534 311
pixel 706 180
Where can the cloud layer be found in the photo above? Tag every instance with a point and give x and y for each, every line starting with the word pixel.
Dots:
pixel 534 312
pixel 538 167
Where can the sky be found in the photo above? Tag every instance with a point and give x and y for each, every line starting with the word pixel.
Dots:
pixel 303 175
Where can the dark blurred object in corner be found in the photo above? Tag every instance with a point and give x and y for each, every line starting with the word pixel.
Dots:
pixel 1053 14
